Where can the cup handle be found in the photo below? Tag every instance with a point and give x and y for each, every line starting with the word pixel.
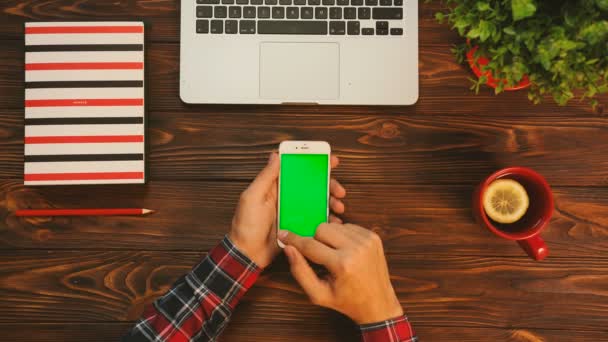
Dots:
pixel 535 247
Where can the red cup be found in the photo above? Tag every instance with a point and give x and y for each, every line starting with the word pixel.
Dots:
pixel 526 231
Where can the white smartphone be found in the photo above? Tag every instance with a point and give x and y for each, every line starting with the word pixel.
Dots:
pixel 303 201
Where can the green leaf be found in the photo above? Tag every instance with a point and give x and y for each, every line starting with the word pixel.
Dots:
pixel 509 30
pixel 461 24
pixel 546 52
pixel 483 6
pixel 522 9
pixel 473 33
pixel 486 29
pixel 439 17
pixel 595 32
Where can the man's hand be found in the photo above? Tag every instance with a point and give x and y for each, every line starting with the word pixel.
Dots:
pixel 254 228
pixel 359 285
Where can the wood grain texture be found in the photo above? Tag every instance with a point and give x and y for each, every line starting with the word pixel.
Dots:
pixel 89 286
pixel 246 332
pixel 444 90
pixel 433 219
pixel 409 172
pixel 375 148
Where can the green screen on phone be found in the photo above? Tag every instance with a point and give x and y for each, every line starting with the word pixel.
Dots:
pixel 303 198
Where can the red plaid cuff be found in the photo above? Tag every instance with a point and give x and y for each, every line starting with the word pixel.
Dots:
pixel 392 330
pixel 226 272
pixel 199 305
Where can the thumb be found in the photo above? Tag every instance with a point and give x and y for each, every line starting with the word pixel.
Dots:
pixel 318 290
pixel 267 177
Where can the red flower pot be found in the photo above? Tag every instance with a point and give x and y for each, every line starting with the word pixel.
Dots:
pixel 482 61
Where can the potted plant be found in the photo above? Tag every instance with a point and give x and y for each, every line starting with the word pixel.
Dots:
pixel 556 47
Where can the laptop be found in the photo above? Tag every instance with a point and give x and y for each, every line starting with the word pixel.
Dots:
pixel 335 52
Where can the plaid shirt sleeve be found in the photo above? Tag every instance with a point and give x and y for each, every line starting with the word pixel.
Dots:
pixel 393 330
pixel 199 305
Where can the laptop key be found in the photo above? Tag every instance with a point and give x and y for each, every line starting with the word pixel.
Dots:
pixel 391 13
pixel 381 28
pixel 337 27
pixel 247 26
pixel 364 12
pixel 353 28
pixel 264 12
pixel 386 2
pixel 306 12
pixel 321 13
pixel 278 12
pixel 208 2
pixel 350 13
pixel 242 2
pixel 398 2
pixel 335 13
pixel 257 2
pixel 231 26
pixel 299 2
pixel 220 12
pixel 285 2
pixel 248 12
pixel 356 2
pixel 292 27
pixel 329 2
pixel 202 26
pixel 371 2
pixel 396 31
pixel 342 2
pixel 270 2
pixel 217 26
pixel 293 13
pixel 227 2
pixel 314 2
pixel 234 12
pixel 204 11
pixel 368 31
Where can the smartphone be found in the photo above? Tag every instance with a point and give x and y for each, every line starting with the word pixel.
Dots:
pixel 303 200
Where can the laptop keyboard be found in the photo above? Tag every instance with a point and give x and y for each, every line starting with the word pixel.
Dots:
pixel 305 17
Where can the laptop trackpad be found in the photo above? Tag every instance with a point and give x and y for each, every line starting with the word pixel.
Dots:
pixel 300 71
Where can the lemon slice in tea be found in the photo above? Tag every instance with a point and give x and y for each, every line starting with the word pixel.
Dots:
pixel 505 201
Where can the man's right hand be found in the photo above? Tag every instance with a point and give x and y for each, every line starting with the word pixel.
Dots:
pixel 359 285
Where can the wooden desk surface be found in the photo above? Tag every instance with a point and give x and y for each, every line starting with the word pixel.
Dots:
pixel 409 172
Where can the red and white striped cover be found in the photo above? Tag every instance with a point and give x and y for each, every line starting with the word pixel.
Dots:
pixel 84 103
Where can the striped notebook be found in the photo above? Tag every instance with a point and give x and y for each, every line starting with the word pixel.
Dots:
pixel 84 103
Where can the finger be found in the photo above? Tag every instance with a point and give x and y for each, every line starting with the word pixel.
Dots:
pixel 336 205
pixel 317 290
pixel 266 178
pixel 336 189
pixel 334 162
pixel 335 219
pixel 331 234
pixel 356 232
pixel 312 249
pixel 347 232
pixel 272 194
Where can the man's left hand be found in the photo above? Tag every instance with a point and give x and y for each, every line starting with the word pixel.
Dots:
pixel 254 228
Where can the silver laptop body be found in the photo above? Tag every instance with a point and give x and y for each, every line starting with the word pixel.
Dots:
pixel 346 52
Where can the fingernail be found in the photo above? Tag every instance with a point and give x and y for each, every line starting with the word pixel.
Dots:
pixel 283 234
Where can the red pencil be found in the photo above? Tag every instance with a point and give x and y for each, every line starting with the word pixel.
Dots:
pixel 83 212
